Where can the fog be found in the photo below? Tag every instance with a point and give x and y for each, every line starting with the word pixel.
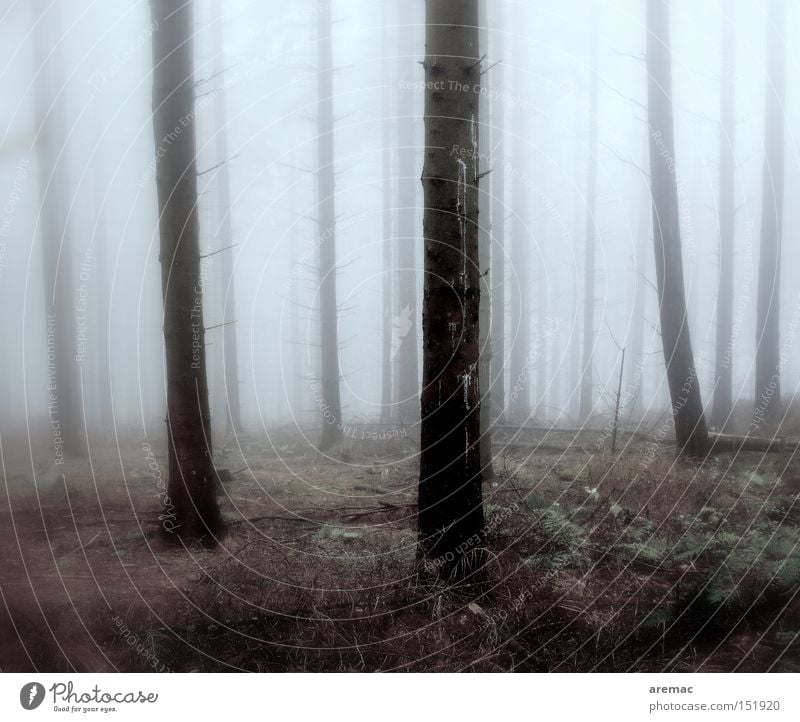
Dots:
pixel 96 64
pixel 368 335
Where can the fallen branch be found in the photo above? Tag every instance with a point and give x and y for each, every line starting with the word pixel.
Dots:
pixel 730 442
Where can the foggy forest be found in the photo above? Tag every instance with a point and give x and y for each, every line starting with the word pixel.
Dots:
pixel 438 335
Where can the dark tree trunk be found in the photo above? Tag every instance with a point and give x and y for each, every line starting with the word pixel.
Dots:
pixel 636 355
pixel 768 362
pixel 498 210
pixel 691 433
pixel 388 248
pixel 329 397
pixel 587 385
pixel 63 376
pixel 484 253
pixel 451 543
pixel 405 331
pixel 230 360
pixel 723 394
pixel 192 479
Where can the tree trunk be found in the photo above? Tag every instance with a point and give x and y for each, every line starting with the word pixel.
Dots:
pixel 193 515
pixel 587 385
pixel 768 362
pixel 328 398
pixel 691 433
pixel 230 361
pixel 723 395
pixel 64 381
pixel 484 253
pixel 636 356
pixel 498 211
pixel 405 324
pixel 299 361
pixel 575 338
pixel 102 291
pixel 387 247
pixel 450 493
pixel 519 405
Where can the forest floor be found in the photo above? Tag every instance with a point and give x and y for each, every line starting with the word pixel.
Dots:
pixel 598 562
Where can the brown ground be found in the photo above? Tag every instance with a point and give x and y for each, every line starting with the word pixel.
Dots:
pixel 597 564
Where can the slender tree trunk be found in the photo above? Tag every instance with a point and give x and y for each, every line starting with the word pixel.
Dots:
pixel 636 363
pixel 723 395
pixel 484 253
pixel 63 376
pixel 587 384
pixel 691 433
pixel 230 360
pixel 405 324
pixel 299 361
pixel 450 495
pixel 542 332
pixel 498 210
pixel 330 399
pixel 519 405
pixel 192 478
pixel 387 247
pixel 768 362
pixel 102 290
pixel 576 337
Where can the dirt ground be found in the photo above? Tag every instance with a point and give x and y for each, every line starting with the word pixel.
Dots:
pixel 598 562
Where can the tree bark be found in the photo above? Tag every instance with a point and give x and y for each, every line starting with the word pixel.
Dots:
pixel 498 211
pixel 519 405
pixel 576 338
pixel 637 359
pixel 723 396
pixel 485 254
pixel 230 360
pixel 387 248
pixel 63 376
pixel 691 433
pixel 451 525
pixel 193 515
pixel 768 361
pixel 405 324
pixel 587 385
pixel 329 397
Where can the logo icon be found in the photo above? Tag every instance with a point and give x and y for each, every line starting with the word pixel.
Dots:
pixel 31 695
pixel 401 325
